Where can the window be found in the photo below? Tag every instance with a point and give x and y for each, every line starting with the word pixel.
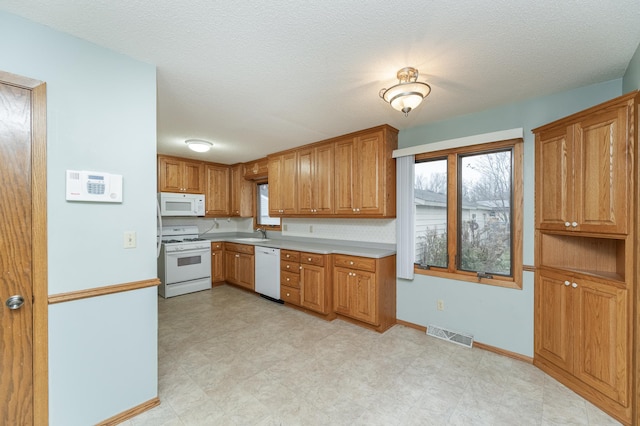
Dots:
pixel 262 208
pixel 466 203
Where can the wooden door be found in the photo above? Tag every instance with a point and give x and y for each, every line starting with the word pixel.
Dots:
pixel 345 176
pixel 312 288
pixel 193 177
pixel 554 173
pixel 364 297
pixel 230 266
pixel 553 319
pixel 341 284
pixel 305 181
pixel 245 271
pixel 217 266
pixel 602 356
pixel 323 175
pixel 288 178
pixel 23 251
pixel 275 186
pixel 369 188
pixel 217 193
pixel 170 175
pixel 603 173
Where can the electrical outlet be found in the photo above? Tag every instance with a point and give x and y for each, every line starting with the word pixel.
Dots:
pixel 284 227
pixel 311 229
pixel 130 239
pixel 440 305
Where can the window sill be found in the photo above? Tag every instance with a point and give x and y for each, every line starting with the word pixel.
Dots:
pixel 505 282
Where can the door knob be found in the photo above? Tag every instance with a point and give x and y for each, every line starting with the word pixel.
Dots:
pixel 15 302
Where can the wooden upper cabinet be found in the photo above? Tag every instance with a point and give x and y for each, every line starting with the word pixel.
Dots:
pixel 584 172
pixel 241 193
pixel 365 174
pixel 283 183
pixel 315 180
pixel 217 193
pixel 179 175
pixel 257 169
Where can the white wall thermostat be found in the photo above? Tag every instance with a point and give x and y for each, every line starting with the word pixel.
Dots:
pixel 94 186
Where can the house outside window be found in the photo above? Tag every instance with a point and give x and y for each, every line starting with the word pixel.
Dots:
pixel 465 202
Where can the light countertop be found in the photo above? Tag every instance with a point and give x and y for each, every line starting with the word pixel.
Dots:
pixel 350 248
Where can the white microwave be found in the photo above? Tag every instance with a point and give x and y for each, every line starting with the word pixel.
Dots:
pixel 176 204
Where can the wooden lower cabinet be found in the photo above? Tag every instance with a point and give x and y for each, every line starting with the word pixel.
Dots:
pixel 217 262
pixel 239 265
pixel 305 280
pixel 582 336
pixel 365 290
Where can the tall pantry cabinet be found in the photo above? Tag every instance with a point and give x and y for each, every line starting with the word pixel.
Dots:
pixel 586 319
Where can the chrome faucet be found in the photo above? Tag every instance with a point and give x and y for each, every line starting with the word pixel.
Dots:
pixel 263 231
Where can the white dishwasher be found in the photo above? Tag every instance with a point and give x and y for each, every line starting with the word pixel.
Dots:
pixel 267 279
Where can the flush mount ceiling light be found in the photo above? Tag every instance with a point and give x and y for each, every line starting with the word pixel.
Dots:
pixel 408 93
pixel 198 145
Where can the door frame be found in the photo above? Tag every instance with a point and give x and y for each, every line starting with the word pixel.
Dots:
pixel 39 268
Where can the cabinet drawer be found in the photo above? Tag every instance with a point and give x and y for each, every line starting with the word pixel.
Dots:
pixel 289 279
pixel 240 248
pixel 290 295
pixel 354 262
pixel 312 259
pixel 293 267
pixel 290 256
pixel 216 246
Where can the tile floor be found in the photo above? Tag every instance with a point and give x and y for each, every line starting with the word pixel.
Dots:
pixel 228 357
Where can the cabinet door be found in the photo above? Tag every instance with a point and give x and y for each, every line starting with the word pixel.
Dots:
pixel 369 168
pixel 305 181
pixel 323 172
pixel 246 270
pixel 312 288
pixel 241 197
pixel 275 186
pixel 344 177
pixel 553 337
pixel 193 177
pixel 603 172
pixel 217 193
pixel 217 266
pixel 169 175
pixel 341 300
pixel 554 193
pixel 230 266
pixel 288 179
pixel 602 346
pixel 364 297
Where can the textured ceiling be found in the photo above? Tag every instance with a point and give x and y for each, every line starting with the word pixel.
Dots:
pixel 256 77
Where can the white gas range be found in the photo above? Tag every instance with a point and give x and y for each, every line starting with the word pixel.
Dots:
pixel 184 265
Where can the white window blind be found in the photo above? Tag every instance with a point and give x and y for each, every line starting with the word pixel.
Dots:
pixel 405 211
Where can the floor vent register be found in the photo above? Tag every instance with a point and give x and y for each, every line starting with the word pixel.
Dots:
pixel 461 339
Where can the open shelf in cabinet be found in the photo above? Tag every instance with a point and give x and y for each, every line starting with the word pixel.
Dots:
pixel 601 257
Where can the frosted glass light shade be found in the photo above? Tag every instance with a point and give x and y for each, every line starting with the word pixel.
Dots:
pixel 408 93
pixel 198 145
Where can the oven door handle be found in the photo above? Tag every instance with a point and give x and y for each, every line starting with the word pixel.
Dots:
pixel 189 251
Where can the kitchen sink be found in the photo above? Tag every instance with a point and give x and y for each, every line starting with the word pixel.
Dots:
pixel 252 240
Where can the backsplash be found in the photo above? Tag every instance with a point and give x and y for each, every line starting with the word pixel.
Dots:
pixel 367 230
pixel 212 226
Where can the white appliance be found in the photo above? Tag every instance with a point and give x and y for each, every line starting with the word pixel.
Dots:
pixel 184 265
pixel 267 272
pixel 177 204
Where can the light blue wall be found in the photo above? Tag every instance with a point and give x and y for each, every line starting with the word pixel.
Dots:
pixel 101 116
pixel 631 79
pixel 496 316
